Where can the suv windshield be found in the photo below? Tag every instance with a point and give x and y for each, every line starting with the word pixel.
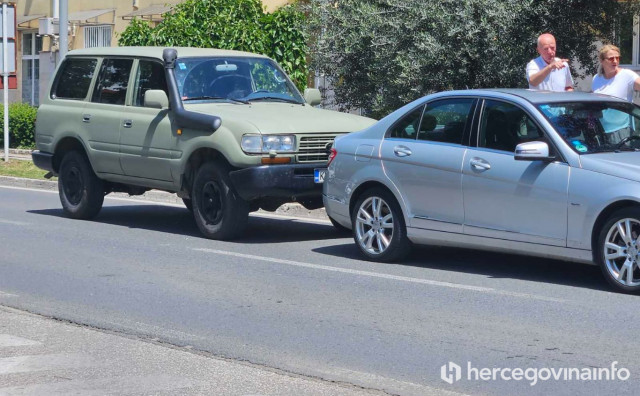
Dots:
pixel 238 79
pixel 595 127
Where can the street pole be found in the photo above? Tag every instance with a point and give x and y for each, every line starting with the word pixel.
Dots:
pixel 64 26
pixel 5 78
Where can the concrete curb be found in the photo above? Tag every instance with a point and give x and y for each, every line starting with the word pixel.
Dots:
pixel 289 209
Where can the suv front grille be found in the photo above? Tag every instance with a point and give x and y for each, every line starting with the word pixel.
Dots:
pixel 314 148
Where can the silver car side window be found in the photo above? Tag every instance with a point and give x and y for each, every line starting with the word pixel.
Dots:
pixel 446 120
pixel 504 125
pixel 407 127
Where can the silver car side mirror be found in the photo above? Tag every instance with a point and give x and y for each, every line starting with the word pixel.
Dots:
pixel 156 99
pixel 533 151
pixel 312 96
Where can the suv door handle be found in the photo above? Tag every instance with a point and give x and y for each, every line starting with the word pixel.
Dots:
pixel 401 151
pixel 479 164
pixel 127 123
pixel 86 118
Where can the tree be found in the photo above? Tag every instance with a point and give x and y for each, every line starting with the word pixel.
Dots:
pixel 382 54
pixel 230 24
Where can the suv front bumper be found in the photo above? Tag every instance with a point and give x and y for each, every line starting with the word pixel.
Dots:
pixel 277 181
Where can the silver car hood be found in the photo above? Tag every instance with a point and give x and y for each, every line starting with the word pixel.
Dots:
pixel 624 164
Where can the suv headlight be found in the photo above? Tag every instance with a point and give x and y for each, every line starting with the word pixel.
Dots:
pixel 257 144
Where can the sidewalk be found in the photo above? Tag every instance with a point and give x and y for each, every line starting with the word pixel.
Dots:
pixel 42 356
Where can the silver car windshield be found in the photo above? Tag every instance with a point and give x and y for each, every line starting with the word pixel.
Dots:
pixel 595 127
pixel 237 79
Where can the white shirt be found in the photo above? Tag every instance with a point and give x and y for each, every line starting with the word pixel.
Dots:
pixel 557 80
pixel 620 85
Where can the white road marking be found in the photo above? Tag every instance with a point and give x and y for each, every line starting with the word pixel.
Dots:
pixel 8 340
pixel 381 275
pixel 17 223
pixel 30 189
pixel 3 294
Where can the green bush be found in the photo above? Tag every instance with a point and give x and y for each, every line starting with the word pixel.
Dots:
pixel 22 123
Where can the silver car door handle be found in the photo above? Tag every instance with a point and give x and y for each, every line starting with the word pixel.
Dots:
pixel 479 164
pixel 127 123
pixel 401 151
pixel 86 117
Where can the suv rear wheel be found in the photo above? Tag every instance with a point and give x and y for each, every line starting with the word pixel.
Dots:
pixel 81 191
pixel 218 210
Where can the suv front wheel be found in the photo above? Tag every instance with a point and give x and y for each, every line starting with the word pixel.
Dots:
pixel 218 210
pixel 81 191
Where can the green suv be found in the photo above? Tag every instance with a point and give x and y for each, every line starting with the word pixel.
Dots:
pixel 225 130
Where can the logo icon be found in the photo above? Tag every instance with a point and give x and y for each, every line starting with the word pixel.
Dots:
pixel 450 373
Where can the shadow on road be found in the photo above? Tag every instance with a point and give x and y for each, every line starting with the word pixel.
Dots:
pixel 490 264
pixel 179 221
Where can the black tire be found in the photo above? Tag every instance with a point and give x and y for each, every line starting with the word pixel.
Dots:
pixel 612 260
pixel 339 227
pixel 188 203
pixel 218 210
pixel 81 191
pixel 398 244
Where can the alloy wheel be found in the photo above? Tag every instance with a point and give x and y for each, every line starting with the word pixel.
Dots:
pixel 622 252
pixel 374 225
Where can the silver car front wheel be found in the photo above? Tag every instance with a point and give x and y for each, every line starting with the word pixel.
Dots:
pixel 619 253
pixel 378 226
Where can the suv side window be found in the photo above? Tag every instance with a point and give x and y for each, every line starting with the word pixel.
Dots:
pixel 75 78
pixel 505 125
pixel 112 82
pixel 407 127
pixel 445 120
pixel 150 75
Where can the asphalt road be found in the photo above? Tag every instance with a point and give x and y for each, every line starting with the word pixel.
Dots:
pixel 295 295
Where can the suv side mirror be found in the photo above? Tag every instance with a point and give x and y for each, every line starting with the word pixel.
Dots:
pixel 156 99
pixel 312 96
pixel 533 151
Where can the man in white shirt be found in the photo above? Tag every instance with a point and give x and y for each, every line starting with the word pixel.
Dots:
pixel 547 72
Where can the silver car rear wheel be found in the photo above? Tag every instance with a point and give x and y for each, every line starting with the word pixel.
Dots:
pixel 378 226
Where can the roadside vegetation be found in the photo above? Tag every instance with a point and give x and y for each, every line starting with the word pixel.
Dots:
pixel 230 24
pixel 22 124
pixel 22 168
pixel 383 54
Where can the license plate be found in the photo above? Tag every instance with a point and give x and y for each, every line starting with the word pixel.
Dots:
pixel 318 175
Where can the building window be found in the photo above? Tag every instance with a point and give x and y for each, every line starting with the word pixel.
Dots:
pixel 31 47
pixel 97 36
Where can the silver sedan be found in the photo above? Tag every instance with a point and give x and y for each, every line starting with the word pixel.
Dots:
pixel 537 173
